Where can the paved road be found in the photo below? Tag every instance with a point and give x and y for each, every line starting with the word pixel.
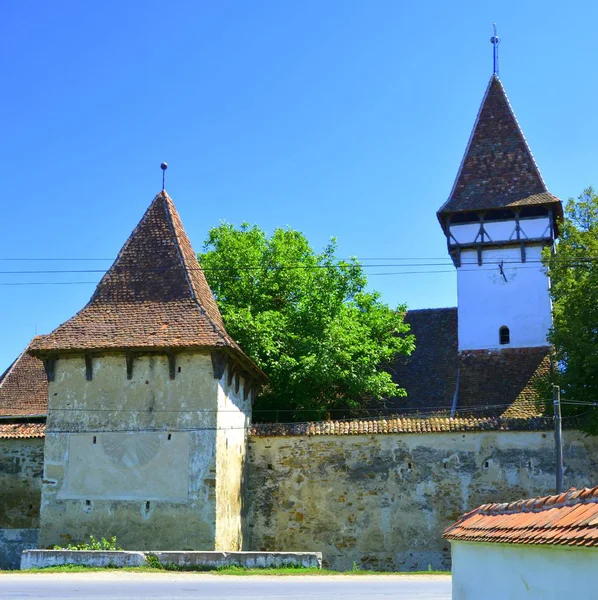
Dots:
pixel 184 586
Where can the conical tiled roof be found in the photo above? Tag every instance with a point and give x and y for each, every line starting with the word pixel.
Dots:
pixel 498 169
pixel 154 295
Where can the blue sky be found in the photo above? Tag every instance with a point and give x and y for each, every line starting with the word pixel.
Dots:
pixel 335 117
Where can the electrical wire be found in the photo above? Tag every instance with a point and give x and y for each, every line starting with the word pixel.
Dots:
pixel 338 265
pixel 280 268
pixel 392 410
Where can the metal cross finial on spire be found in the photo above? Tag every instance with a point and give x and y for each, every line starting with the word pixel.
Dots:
pixel 495 41
pixel 163 166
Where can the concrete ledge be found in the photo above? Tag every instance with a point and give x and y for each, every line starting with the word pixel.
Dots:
pixel 251 560
pixel 39 559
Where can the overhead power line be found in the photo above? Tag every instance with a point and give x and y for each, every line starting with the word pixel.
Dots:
pixel 340 265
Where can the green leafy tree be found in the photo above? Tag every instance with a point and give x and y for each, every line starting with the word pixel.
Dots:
pixel 305 319
pixel 573 271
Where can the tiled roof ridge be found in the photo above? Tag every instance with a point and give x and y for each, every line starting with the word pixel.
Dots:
pixel 470 139
pixel 541 503
pixel 399 424
pixel 23 386
pixel 438 309
pixel 483 351
pixel 96 292
pixel 520 131
pixel 5 376
pixel 169 207
pixel 121 252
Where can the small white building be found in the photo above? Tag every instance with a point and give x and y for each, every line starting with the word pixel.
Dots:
pixel 539 549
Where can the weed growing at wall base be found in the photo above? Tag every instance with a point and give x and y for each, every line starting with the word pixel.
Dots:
pixel 102 544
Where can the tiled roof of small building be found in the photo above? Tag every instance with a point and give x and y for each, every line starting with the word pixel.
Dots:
pixel 396 424
pixel 24 386
pixel 487 382
pixel 155 295
pixel 568 519
pixel 22 430
pixel 498 169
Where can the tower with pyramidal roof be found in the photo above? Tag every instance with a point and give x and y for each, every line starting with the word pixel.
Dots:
pixel 497 219
pixel 149 403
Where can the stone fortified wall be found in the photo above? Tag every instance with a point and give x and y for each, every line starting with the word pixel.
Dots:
pixel 382 501
pixel 21 468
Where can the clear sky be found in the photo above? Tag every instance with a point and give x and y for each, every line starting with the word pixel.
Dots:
pixel 339 118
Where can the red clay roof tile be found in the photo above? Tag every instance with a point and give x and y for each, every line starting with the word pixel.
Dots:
pixel 570 518
pixel 398 424
pixel 22 430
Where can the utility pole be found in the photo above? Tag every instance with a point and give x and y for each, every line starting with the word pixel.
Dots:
pixel 558 437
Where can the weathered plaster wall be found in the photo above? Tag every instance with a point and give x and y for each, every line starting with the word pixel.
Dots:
pixel 234 416
pixel 523 572
pixel 95 488
pixel 21 466
pixel 383 501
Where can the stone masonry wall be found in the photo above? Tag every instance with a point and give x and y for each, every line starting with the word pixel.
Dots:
pixel 383 501
pixel 21 467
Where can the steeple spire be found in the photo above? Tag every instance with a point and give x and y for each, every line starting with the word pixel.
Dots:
pixel 498 170
pixel 495 41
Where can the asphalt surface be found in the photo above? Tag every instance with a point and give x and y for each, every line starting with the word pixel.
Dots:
pixel 184 586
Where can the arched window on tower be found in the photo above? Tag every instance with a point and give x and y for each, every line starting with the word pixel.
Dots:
pixel 504 335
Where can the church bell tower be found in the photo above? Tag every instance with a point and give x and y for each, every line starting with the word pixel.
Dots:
pixel 498 218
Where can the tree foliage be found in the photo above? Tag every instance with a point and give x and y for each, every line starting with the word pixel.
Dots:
pixel 573 272
pixel 306 319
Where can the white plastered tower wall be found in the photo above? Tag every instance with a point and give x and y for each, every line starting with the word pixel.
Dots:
pixel 503 291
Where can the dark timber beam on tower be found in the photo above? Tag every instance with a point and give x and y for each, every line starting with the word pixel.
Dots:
pixel 50 367
pixel 171 363
pixel 219 361
pixel 231 373
pixel 130 357
pixel 246 388
pixel 518 232
pixel 88 366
